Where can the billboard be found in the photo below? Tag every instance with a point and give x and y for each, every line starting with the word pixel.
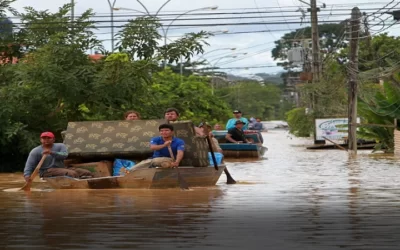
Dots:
pixel 332 129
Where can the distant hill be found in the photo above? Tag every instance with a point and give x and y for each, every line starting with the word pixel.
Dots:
pixel 268 78
pixel 271 78
pixel 236 78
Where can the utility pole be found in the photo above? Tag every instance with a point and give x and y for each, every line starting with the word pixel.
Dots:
pixel 111 4
pixel 316 60
pixel 316 65
pixel 72 10
pixel 72 14
pixel 353 74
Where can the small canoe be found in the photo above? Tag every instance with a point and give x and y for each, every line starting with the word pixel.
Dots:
pixel 150 178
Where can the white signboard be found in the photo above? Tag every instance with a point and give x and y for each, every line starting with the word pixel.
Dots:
pixel 329 128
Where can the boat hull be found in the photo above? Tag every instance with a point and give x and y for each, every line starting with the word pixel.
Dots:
pixel 242 150
pixel 151 178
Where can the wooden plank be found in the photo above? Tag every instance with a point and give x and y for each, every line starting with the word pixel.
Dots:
pixel 337 145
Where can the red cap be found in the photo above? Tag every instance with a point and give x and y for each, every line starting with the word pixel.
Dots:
pixel 47 134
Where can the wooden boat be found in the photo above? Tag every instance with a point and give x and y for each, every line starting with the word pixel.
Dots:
pixel 151 178
pixel 241 150
pixel 94 146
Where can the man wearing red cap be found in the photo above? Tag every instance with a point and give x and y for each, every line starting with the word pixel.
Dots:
pixel 54 162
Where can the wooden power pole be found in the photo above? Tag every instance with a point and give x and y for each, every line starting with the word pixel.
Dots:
pixel 353 74
pixel 316 65
pixel 316 59
pixel 72 14
pixel 72 10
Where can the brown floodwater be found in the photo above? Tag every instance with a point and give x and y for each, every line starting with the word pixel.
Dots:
pixel 293 199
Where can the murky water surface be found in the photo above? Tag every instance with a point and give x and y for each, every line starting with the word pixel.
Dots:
pixel 294 199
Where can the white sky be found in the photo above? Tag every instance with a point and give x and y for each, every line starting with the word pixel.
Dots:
pixel 257 45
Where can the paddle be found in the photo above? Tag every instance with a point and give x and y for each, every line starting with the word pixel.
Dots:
pixel 27 186
pixel 182 182
pixel 229 178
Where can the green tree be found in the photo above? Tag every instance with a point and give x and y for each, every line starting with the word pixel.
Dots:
pixel 140 40
pixel 55 82
pixel 190 95
pixel 300 123
pixel 254 99
pixel 42 27
pixel 381 108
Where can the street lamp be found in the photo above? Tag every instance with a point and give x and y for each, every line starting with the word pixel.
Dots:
pixel 158 11
pixel 220 58
pixel 213 68
pixel 112 8
pixel 217 50
pixel 112 5
pixel 187 12
pixel 202 56
pixel 121 8
pixel 166 31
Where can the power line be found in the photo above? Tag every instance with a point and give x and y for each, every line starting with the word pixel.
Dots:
pixel 273 7
pixel 68 25
pixel 245 67
pixel 213 13
pixel 198 19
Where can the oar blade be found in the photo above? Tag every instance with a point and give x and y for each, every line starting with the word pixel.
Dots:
pixel 229 178
pixel 26 187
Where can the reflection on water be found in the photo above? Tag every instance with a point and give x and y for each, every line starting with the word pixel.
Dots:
pixel 294 199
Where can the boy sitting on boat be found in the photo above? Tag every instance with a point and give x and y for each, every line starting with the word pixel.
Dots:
pixel 161 143
pixel 53 165
pixel 161 155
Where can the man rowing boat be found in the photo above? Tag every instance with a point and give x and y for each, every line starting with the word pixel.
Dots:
pixel 54 163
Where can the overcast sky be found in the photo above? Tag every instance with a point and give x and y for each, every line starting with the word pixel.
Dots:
pixel 257 45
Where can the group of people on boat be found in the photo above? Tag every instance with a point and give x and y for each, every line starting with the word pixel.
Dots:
pixel 56 153
pixel 237 125
pixel 168 150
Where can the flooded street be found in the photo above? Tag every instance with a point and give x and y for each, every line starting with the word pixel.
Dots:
pixel 294 199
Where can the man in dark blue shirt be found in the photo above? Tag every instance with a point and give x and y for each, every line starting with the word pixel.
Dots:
pixel 161 143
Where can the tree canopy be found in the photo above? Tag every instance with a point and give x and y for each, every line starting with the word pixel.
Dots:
pixel 55 81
